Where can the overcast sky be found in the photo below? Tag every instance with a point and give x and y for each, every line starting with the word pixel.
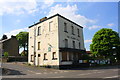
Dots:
pixel 16 16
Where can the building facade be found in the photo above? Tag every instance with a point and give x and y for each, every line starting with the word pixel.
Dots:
pixel 9 45
pixel 55 41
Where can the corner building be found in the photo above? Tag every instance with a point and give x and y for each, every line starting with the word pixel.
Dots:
pixel 56 42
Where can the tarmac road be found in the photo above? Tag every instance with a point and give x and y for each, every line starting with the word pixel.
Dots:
pixel 19 70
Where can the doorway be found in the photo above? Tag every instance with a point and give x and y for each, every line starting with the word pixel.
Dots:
pixel 38 59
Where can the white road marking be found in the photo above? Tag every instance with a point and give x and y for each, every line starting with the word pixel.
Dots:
pixel 32 71
pixel 44 73
pixel 55 72
pixel 57 77
pixel 115 70
pixel 85 74
pixel 65 71
pixel 61 76
pixel 51 72
pixel 96 70
pixel 111 77
pixel 99 72
pixel 38 73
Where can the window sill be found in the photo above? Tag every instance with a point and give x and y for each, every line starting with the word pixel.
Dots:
pixel 45 59
pixel 66 60
pixel 73 34
pixel 38 34
pixel 66 31
pixel 54 59
pixel 31 61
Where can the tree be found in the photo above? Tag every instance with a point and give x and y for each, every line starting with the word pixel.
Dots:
pixel 24 53
pixel 4 37
pixel 6 54
pixel 22 38
pixel 105 43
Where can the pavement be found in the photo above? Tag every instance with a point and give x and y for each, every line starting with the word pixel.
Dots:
pixel 20 70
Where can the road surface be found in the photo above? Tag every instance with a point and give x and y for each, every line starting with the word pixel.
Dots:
pixel 19 70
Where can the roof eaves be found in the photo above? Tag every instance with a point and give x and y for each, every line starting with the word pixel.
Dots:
pixel 54 16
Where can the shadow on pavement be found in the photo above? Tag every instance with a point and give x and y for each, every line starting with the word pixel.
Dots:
pixel 11 72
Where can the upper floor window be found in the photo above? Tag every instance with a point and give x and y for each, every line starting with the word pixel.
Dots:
pixel 39 30
pixel 72 30
pixel 78 31
pixel 38 55
pixel 65 27
pixel 79 45
pixel 38 45
pixel 73 44
pixel 50 25
pixel 66 43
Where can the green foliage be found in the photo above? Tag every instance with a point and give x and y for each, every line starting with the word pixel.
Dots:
pixel 85 57
pixel 22 38
pixel 6 54
pixel 103 43
pixel 24 53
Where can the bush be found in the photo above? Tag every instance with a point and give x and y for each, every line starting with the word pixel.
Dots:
pixel 5 54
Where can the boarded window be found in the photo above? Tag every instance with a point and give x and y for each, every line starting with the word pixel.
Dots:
pixel 64 56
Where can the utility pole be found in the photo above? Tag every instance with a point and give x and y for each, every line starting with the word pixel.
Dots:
pixel 34 43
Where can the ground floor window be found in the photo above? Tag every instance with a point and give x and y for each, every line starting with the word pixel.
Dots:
pixel 75 56
pixel 70 56
pixel 64 56
pixel 54 56
pixel 45 56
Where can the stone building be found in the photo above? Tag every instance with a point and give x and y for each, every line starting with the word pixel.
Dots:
pixel 9 45
pixel 55 42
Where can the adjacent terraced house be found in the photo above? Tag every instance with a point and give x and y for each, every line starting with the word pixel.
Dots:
pixel 55 42
pixel 9 45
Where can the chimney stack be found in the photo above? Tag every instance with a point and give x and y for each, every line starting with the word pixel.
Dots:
pixel 43 19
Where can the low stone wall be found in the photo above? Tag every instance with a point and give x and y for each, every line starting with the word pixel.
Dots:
pixel 17 58
pixel 4 59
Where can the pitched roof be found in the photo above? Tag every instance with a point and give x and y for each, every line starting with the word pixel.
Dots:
pixel 54 16
pixel 1 41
